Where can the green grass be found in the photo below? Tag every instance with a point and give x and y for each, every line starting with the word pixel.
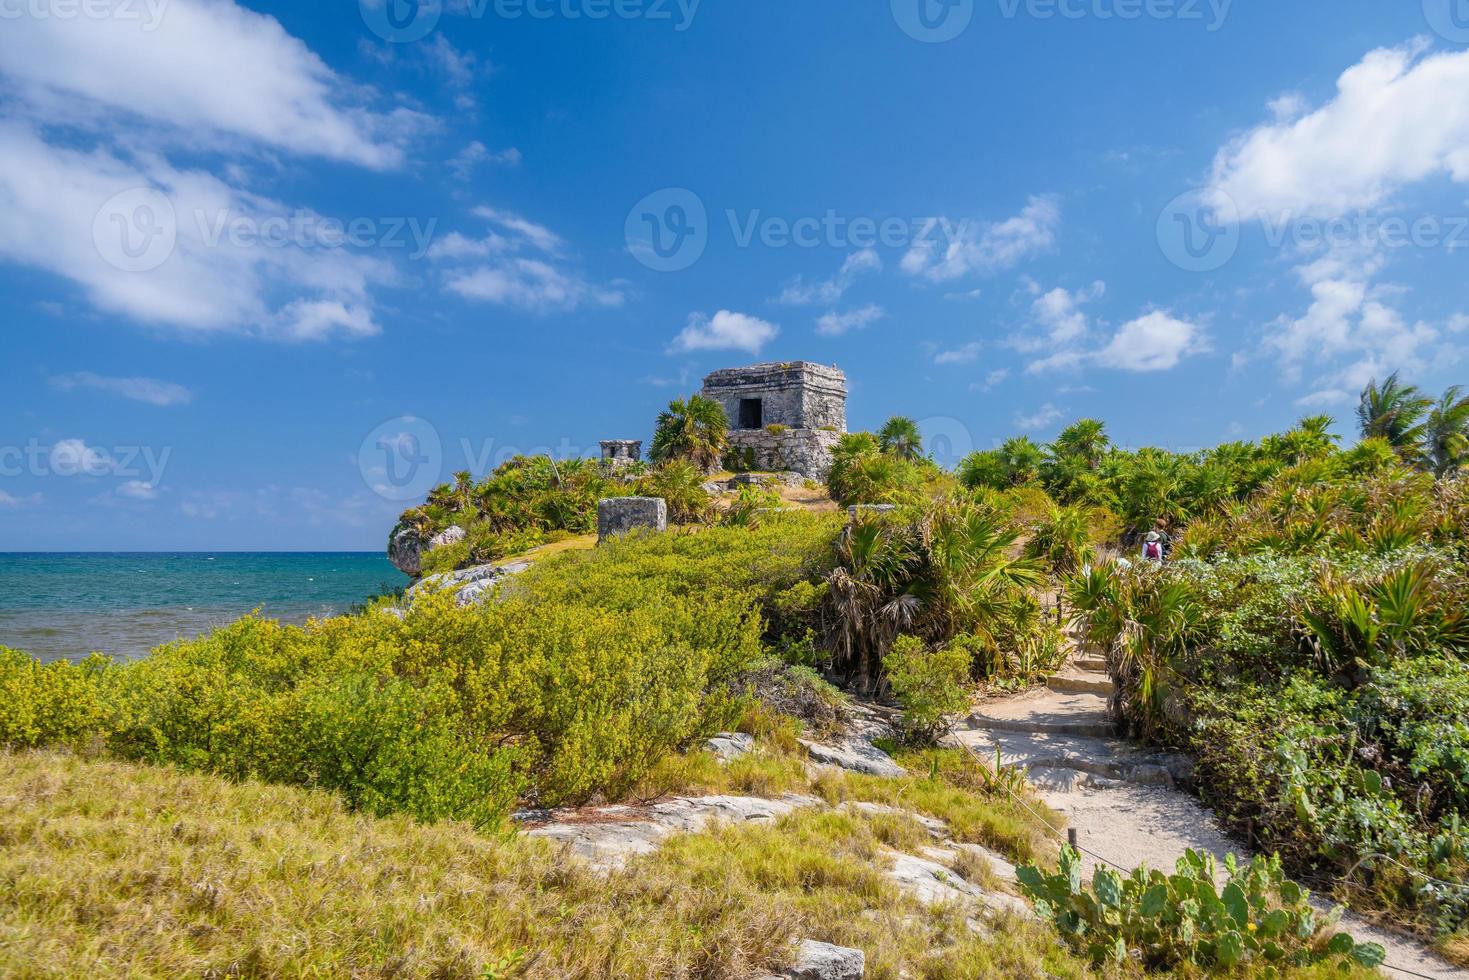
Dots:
pixel 113 869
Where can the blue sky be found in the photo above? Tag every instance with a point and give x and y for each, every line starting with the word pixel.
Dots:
pixel 244 244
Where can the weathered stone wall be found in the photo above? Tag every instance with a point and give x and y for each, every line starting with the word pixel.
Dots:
pixel 619 515
pixel 799 394
pixel 804 451
pixel 618 453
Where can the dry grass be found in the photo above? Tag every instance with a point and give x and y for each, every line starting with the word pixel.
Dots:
pixel 109 869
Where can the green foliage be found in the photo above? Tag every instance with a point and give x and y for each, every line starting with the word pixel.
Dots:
pixel 48 704
pixel 749 503
pixel 589 670
pixel 934 572
pixel 1257 918
pixel 900 437
pixel 1067 537
pixel 930 684
pixel 681 485
pixel 693 430
pixel 1395 412
pixel 867 470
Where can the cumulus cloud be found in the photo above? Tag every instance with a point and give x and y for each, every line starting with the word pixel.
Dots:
pixel 1399 116
pixel 945 250
pixel 1155 341
pixel 799 292
pixel 464 163
pixel 150 391
pixel 137 490
pixel 497 268
pixel 724 331
pixel 1043 417
pixel 963 354
pixel 835 324
pixel 73 457
pixel 207 70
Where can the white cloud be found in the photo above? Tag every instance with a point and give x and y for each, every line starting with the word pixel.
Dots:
pixel 57 219
pixel 530 284
pixel 991 380
pixel 207 70
pixel 1059 315
pixel 945 250
pixel 725 331
pixel 10 500
pixel 964 354
pixel 502 273
pixel 1045 416
pixel 1156 341
pixel 798 292
pixel 147 390
pixel 73 457
pixel 137 490
pixel 464 163
pixel 835 324
pixel 1399 116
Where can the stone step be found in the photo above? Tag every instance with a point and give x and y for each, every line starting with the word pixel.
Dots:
pixel 1073 681
pixel 1048 712
pixel 1097 664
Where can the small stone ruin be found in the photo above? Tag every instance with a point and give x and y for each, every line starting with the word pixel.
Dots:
pixel 783 416
pixel 620 453
pixel 617 516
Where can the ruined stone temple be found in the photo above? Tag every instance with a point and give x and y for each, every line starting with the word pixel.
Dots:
pixel 782 416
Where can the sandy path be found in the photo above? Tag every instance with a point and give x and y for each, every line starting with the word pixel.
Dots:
pixel 1088 780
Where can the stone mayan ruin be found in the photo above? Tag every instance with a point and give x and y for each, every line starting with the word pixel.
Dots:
pixel 782 416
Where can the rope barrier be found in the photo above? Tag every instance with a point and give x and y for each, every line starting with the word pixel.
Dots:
pixel 1069 840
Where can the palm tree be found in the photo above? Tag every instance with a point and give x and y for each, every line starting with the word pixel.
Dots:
pixel 900 437
pixel 1448 431
pixel 695 429
pixel 1085 441
pixel 1023 460
pixel 1395 412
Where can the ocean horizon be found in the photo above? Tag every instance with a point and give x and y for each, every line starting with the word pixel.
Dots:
pixel 68 604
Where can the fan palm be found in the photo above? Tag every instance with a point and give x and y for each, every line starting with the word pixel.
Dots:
pixel 1448 431
pixel 1395 411
pixel 900 437
pixel 695 430
pixel 1085 441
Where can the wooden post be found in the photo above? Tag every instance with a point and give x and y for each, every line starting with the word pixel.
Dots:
pixel 1071 837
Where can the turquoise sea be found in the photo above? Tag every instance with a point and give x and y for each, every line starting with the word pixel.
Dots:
pixel 68 605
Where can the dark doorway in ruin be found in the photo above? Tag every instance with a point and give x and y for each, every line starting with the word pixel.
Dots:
pixel 752 414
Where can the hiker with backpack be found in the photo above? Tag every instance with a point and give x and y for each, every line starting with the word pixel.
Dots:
pixel 1153 548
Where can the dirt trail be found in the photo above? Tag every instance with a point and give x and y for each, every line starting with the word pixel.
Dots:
pixel 1122 799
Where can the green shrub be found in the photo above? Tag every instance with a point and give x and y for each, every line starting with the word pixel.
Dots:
pixel 48 704
pixel 931 685
pixel 1257 918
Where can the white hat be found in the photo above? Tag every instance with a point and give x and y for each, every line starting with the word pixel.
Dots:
pixel 1152 536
